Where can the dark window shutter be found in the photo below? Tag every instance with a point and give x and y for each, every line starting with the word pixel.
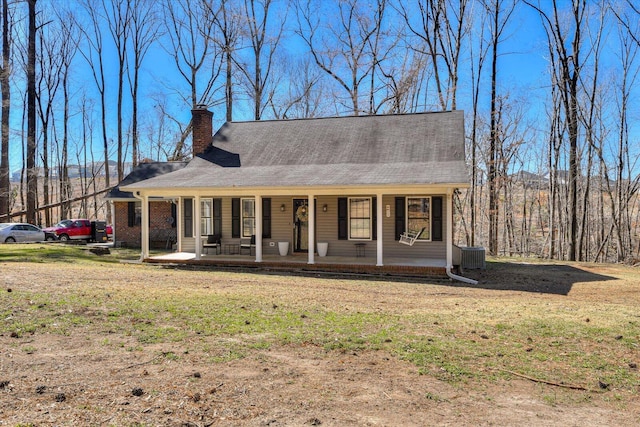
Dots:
pixel 131 214
pixel 174 215
pixel 217 216
pixel 374 218
pixel 400 216
pixel 343 219
pixel 187 207
pixel 235 217
pixel 266 218
pixel 436 221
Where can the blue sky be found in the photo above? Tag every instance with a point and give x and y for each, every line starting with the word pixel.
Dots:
pixel 523 74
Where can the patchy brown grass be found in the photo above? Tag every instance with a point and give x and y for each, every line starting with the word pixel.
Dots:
pixel 103 343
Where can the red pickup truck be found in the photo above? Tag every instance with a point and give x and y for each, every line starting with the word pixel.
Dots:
pixel 80 229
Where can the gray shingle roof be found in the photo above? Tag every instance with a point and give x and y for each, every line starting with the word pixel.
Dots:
pixel 422 148
pixel 142 172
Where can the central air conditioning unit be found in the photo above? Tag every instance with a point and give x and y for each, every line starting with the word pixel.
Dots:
pixel 472 258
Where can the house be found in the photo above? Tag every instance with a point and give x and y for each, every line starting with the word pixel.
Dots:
pixel 353 184
pixel 127 209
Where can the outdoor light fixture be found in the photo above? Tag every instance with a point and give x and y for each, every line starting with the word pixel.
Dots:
pixel 282 207
pixel 324 207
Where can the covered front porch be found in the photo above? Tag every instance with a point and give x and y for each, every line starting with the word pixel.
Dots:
pixel 382 255
pixel 299 262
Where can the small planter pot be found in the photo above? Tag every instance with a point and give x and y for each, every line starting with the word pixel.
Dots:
pixel 283 248
pixel 323 247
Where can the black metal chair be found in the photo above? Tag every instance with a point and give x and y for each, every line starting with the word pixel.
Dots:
pixel 213 241
pixel 248 244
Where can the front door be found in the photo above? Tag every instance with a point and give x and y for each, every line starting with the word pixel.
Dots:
pixel 300 225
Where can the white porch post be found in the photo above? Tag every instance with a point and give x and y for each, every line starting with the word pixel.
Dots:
pixel 114 225
pixel 449 221
pixel 197 220
pixel 379 228
pixel 312 228
pixel 179 224
pixel 144 202
pixel 259 214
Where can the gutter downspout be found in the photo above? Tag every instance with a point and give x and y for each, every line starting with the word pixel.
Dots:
pixel 450 245
pixel 460 278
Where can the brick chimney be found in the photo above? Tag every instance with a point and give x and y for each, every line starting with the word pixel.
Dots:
pixel 201 129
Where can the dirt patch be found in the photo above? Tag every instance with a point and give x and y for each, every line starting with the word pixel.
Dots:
pixel 96 377
pixel 72 381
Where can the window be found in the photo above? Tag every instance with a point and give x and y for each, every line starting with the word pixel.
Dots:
pixel 187 216
pixel 248 217
pixel 419 216
pixel 206 217
pixel 360 218
pixel 134 214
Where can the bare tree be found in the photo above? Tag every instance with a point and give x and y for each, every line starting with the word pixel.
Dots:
pixel 565 46
pixel 190 31
pixel 589 115
pixel 341 46
pixel 440 27
pixel 303 95
pixel 49 67
pixel 629 13
pixel 144 30
pixel 94 54
pixel 478 55
pixel 32 172
pixel 226 16
pixel 402 81
pixel 625 185
pixel 499 14
pixel 70 40
pixel 117 14
pixel 5 74
pixel 258 67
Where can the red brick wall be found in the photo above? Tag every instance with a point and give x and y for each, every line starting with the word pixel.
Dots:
pixel 202 129
pixel 160 229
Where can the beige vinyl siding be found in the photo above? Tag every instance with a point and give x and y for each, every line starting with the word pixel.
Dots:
pixel 394 249
pixel 327 230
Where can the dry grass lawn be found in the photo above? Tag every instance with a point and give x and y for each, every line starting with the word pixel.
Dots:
pixel 88 341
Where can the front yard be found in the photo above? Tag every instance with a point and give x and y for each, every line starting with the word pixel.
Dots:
pixel 88 340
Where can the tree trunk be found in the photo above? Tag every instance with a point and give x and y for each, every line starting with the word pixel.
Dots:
pixel 5 72
pixel 32 173
pixel 493 145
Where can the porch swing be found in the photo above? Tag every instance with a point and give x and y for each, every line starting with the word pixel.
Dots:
pixel 410 237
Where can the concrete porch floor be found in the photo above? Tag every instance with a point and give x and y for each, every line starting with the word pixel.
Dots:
pixel 299 262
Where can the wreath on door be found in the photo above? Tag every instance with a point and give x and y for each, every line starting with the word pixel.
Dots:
pixel 302 213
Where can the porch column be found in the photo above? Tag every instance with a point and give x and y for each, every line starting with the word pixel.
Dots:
pixel 178 201
pixel 197 219
pixel 144 203
pixel 312 228
pixel 449 221
pixel 379 228
pixel 258 229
